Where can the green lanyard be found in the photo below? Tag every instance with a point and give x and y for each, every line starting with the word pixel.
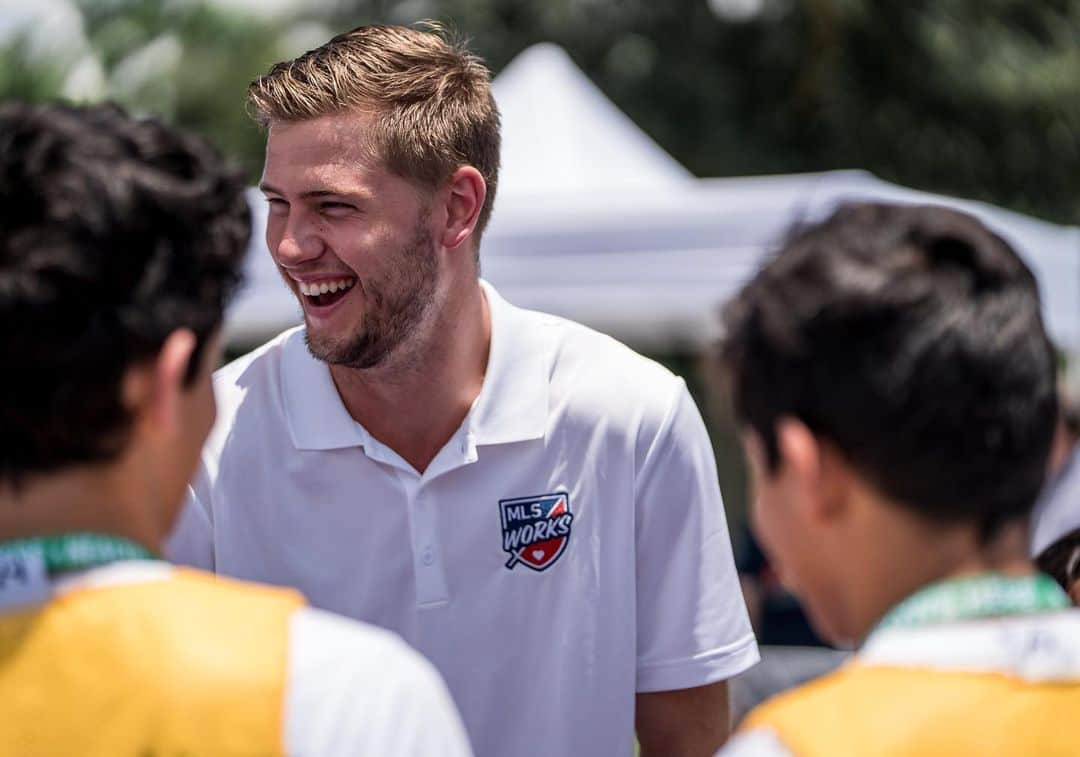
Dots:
pixel 64 553
pixel 28 566
pixel 980 596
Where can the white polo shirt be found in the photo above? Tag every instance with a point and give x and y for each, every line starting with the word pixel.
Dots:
pixel 565 549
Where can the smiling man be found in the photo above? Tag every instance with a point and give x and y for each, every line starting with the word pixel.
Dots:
pixel 529 503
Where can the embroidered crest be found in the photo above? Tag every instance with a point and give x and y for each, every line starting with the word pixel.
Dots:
pixel 535 530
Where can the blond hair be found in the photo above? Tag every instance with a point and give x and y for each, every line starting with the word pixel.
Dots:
pixel 432 97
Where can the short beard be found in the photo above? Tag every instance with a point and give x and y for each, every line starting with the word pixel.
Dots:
pixel 395 307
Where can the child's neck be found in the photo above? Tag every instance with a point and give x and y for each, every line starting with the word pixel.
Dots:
pixel 1006 553
pixel 915 555
pixel 82 498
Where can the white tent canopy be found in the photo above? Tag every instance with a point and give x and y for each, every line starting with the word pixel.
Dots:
pixel 595 222
pixel 560 131
pixel 652 268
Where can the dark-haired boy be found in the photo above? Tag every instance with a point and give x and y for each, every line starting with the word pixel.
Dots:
pixel 120 241
pixel 896 391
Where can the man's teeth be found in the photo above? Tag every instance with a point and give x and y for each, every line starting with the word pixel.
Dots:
pixel 324 287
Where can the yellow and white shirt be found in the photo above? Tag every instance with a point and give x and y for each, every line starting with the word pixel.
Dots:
pixel 1003 685
pixel 141 658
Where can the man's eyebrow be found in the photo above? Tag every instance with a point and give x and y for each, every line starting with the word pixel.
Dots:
pixel 311 193
pixel 325 193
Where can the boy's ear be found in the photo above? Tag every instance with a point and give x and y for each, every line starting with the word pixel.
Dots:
pixel 799 449
pixel 816 468
pixel 152 391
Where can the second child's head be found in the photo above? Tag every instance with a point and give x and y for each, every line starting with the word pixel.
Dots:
pixel 895 388
pixel 120 242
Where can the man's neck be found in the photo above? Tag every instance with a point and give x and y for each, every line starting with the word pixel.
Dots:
pixel 80 499
pixel 417 401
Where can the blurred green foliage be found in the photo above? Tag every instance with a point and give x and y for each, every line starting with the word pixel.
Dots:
pixel 975 98
pixel 188 62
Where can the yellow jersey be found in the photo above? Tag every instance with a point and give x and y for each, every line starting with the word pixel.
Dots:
pixel 989 686
pixel 140 658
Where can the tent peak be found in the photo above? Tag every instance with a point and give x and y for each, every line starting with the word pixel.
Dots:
pixel 561 133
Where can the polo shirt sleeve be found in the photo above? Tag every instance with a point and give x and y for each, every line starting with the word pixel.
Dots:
pixel 358 690
pixel 692 624
pixel 192 539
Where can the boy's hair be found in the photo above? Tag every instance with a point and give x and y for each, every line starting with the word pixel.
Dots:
pixel 1061 560
pixel 113 233
pixel 911 339
pixel 431 96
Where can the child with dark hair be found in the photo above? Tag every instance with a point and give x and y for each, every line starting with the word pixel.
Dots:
pixel 120 242
pixel 895 388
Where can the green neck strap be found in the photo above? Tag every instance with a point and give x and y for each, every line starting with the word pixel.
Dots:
pixel 64 553
pixel 978 596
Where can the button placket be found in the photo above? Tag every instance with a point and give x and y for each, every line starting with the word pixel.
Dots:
pixel 430 575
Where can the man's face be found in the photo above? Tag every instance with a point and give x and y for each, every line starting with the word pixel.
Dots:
pixel 352 240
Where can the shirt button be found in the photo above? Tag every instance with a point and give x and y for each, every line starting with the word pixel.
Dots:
pixel 428 556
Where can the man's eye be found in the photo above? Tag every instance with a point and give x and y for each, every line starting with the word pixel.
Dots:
pixel 336 207
pixel 277 206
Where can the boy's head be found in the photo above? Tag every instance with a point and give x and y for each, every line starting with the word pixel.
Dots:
pixel 895 356
pixel 120 241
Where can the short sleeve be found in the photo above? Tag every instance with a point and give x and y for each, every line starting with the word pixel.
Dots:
pixel 692 624
pixel 355 690
pixel 759 742
pixel 192 539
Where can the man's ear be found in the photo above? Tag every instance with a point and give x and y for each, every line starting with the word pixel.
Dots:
pixel 153 391
pixel 465 195
pixel 816 468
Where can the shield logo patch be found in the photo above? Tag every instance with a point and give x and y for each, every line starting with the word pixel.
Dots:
pixel 535 530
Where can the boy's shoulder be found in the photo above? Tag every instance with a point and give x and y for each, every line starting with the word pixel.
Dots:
pixel 925 689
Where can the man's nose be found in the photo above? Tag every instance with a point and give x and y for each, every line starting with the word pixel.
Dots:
pixel 298 244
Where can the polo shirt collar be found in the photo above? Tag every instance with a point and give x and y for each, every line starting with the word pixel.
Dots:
pixel 513 402
pixel 316 416
pixel 512 405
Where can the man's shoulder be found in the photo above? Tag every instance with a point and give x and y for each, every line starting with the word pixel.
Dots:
pixel 590 369
pixel 253 381
pixel 256 369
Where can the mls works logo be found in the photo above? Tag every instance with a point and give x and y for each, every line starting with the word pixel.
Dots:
pixel 535 530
